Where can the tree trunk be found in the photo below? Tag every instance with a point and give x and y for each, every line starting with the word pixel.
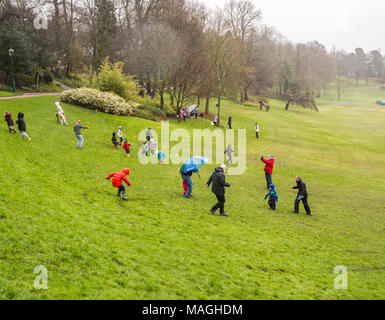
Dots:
pixel 37 79
pixel 219 110
pixel 207 104
pixel 161 99
pixel 148 87
pixel 246 96
pixel 199 101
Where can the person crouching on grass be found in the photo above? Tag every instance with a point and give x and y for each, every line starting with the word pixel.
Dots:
pixel 126 147
pixel 273 197
pixel 117 178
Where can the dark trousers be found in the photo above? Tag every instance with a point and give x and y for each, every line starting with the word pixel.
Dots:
pixel 230 126
pixel 221 203
pixel 269 180
pixel 121 189
pixel 257 135
pixel 305 204
pixel 272 203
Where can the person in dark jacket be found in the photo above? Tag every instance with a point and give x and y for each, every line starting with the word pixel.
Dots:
pixel 8 119
pixel 22 127
pixel 301 196
pixel 114 141
pixel 218 181
pixel 261 104
pixel 230 122
pixel 78 133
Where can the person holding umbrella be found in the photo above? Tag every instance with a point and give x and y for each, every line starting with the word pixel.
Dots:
pixel 186 171
pixel 218 180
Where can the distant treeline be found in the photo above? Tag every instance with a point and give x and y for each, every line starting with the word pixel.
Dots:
pixel 178 48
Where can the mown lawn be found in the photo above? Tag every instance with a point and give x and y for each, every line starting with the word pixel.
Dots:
pixel 6 94
pixel 59 211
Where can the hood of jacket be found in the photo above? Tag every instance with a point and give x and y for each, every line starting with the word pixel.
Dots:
pixel 272 187
pixel 20 115
pixel 219 169
pixel 126 171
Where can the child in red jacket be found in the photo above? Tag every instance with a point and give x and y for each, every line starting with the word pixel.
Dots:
pixel 126 147
pixel 117 178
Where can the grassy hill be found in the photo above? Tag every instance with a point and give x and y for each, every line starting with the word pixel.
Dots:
pixel 59 211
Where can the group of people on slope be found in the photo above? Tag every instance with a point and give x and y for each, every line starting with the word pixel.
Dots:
pixel 272 194
pixel 116 144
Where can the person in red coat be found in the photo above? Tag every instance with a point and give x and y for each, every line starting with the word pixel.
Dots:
pixel 117 181
pixel 268 169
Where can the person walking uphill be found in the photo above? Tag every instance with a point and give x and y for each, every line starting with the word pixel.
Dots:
pixel 230 122
pixel 78 133
pixel 117 178
pixel 301 196
pixel 22 127
pixel 8 119
pixel 218 181
pixel 268 169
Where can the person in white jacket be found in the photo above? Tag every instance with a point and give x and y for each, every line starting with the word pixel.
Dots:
pixel 60 114
pixel 257 130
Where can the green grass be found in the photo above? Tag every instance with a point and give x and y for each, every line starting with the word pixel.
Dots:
pixel 6 94
pixel 59 211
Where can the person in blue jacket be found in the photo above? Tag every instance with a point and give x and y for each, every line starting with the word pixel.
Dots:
pixel 273 197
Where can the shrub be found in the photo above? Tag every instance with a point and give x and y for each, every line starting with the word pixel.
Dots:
pixel 112 79
pixel 144 114
pixel 47 77
pixel 97 100
pixel 170 112
pixel 155 110
pixel 24 80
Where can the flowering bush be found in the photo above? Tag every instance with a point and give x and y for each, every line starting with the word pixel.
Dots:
pixel 97 100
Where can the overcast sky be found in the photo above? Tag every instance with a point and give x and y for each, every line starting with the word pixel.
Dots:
pixel 345 24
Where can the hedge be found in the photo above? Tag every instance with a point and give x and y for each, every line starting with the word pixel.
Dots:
pixel 97 100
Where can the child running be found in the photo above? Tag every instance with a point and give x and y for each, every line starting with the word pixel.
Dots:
pixel 22 127
pixel 60 114
pixel 9 120
pixel 117 178
pixel 161 157
pixel 273 197
pixel 114 141
pixel 126 147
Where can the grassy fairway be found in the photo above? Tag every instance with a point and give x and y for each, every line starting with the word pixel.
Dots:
pixel 59 211
pixel 6 94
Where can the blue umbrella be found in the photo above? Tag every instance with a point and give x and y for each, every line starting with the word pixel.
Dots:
pixel 193 164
